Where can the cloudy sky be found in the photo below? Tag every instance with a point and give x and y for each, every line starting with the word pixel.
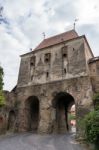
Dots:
pixel 23 21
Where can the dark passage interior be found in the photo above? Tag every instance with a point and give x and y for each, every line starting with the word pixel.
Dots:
pixel 32 113
pixel 62 104
pixel 11 120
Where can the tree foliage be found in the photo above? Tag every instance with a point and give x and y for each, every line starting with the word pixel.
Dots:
pixel 92 126
pixel 1 78
pixel 2 100
pixel 96 101
pixel 71 117
pixel 91 122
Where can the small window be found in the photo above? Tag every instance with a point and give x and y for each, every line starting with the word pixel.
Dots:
pixel 47 57
pixel 64 51
pixel 64 55
pixel 64 70
pixel 32 60
pixel 47 74
pixel 73 49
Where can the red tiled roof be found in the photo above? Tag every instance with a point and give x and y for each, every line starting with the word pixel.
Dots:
pixel 57 39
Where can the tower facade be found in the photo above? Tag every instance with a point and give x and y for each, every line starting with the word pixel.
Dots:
pixel 60 72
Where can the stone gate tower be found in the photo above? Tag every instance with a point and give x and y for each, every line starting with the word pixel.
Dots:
pixel 55 75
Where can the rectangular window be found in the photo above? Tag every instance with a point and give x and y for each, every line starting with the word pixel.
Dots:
pixel 32 61
pixel 64 51
pixel 47 74
pixel 47 57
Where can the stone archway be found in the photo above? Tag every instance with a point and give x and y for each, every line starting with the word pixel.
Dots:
pixel 62 103
pixel 32 113
pixel 11 120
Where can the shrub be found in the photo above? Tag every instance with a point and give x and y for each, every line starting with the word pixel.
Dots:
pixel 91 122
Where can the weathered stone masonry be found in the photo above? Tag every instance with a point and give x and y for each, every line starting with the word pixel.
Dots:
pixel 46 94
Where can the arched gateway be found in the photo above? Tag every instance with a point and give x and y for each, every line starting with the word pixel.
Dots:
pixel 32 113
pixel 11 120
pixel 62 104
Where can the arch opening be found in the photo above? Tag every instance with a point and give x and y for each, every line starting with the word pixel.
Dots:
pixel 72 118
pixel 62 103
pixel 11 120
pixel 32 113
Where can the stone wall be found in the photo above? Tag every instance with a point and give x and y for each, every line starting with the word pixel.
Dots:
pixel 3 120
pixel 94 74
pixel 5 111
pixel 80 88
pixel 62 61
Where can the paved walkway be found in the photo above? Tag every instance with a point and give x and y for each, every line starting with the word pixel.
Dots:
pixel 29 141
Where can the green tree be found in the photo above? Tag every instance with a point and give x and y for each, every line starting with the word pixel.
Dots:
pixel 91 123
pixel 71 117
pixel 1 78
pixel 92 127
pixel 2 100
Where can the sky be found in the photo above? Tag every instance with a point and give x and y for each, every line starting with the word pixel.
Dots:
pixel 22 23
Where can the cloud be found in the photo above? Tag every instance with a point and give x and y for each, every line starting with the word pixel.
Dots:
pixel 65 11
pixel 88 12
pixel 92 36
pixel 24 21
